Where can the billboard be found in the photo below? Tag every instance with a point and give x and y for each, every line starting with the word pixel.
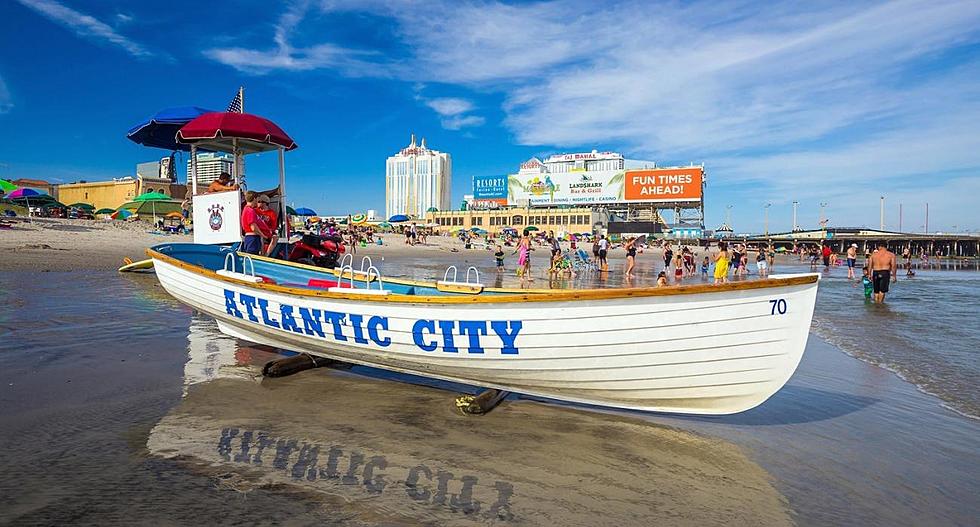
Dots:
pixel 666 185
pixel 490 189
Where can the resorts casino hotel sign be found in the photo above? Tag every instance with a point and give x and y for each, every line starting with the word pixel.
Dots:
pixel 663 185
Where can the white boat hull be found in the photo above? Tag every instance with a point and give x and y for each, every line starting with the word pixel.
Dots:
pixel 714 352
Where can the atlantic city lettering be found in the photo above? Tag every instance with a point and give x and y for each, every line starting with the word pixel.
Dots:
pixel 447 336
pixel 311 462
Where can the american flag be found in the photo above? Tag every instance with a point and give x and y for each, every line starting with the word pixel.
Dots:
pixel 236 103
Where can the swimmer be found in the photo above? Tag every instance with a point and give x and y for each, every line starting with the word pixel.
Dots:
pixel 883 269
pixel 866 282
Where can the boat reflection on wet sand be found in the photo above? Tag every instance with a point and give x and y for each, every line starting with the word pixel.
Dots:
pixel 369 450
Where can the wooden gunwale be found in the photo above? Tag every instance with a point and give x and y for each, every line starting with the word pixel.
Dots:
pixel 551 296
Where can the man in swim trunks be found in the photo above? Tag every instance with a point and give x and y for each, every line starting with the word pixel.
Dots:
pixel 852 254
pixel 884 267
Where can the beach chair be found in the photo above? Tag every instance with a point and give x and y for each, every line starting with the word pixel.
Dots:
pixel 582 262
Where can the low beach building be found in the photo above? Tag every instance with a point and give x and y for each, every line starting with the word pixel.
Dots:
pixel 113 193
pixel 561 220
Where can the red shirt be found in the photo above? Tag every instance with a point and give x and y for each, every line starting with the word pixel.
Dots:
pixel 826 251
pixel 270 218
pixel 249 216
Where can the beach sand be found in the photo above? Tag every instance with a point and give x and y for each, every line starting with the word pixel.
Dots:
pixel 114 412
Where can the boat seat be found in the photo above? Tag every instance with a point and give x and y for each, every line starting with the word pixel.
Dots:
pixel 326 284
pixel 459 287
pixel 240 276
pixel 348 290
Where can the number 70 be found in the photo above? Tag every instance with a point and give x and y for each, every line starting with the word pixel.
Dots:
pixel 778 306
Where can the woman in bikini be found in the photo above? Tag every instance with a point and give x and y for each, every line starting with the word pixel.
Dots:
pixel 630 247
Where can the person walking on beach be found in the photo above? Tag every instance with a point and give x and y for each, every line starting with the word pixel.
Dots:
pixel 630 247
pixel 668 256
pixel 884 268
pixel 603 251
pixel 721 263
pixel 852 254
pixel 524 256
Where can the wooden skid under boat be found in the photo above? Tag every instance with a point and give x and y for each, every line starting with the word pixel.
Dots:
pixel 699 349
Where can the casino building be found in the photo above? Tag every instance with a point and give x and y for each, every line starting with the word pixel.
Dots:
pixel 417 179
pixel 586 192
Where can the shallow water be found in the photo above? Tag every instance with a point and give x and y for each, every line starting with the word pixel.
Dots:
pixel 928 331
pixel 120 407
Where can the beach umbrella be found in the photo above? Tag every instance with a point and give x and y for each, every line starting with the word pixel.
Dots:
pixel 398 218
pixel 152 196
pixel 7 186
pixel 359 219
pixel 121 214
pixel 24 193
pixel 254 133
pixel 160 130
pixel 531 228
pixel 83 206
pixel 291 211
pixel 105 211
pixel 384 224
pixel 303 211
pixel 477 230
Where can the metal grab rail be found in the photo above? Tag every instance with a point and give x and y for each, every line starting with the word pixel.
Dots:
pixel 248 259
pixel 474 271
pixel 230 257
pixel 343 262
pixel 377 273
pixel 445 277
pixel 367 259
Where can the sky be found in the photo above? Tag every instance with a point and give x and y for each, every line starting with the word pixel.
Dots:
pixel 834 103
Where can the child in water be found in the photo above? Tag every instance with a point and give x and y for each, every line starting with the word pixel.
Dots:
pixel 866 282
pixel 662 279
pixel 499 255
pixel 704 267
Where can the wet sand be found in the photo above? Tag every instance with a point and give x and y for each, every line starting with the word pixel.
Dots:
pixel 119 406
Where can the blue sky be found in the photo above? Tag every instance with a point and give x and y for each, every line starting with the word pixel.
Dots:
pixel 835 103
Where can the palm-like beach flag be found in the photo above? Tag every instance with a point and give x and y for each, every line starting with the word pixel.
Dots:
pixel 237 104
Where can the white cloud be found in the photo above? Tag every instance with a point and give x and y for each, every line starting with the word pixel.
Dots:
pixel 284 56
pixel 449 106
pixel 788 97
pixel 85 25
pixel 462 121
pixel 452 112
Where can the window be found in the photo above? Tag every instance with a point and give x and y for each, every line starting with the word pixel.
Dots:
pixel 517 220
pixel 478 220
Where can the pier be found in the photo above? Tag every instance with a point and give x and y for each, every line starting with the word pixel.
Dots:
pixel 955 245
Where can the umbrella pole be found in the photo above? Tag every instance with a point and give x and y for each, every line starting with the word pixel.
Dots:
pixel 193 171
pixel 282 189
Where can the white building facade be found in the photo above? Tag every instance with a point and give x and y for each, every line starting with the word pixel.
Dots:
pixel 583 162
pixel 210 166
pixel 417 179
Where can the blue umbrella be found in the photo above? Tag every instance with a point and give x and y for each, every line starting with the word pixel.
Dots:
pixel 397 218
pixel 160 131
pixel 303 211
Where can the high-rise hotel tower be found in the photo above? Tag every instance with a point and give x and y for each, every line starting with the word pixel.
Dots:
pixel 417 179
